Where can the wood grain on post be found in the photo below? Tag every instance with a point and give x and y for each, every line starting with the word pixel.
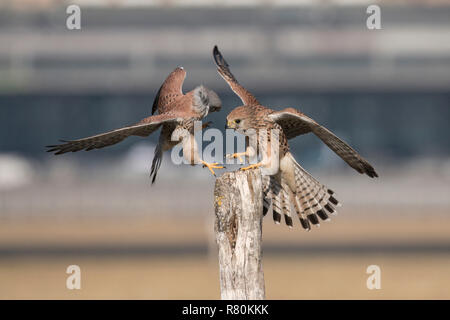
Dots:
pixel 238 228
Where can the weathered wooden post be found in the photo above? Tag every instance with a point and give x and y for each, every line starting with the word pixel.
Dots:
pixel 238 228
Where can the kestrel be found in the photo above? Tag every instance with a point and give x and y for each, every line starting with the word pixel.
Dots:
pixel 289 186
pixel 177 114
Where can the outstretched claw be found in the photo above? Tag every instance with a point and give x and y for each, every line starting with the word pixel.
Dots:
pixel 238 155
pixel 212 166
pixel 252 166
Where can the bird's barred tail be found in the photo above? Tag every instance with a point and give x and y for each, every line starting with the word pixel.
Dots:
pixel 273 196
pixel 267 194
pixel 276 193
pixel 286 204
pixel 312 200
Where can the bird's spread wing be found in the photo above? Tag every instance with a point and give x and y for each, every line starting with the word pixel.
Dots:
pixel 170 90
pixel 295 123
pixel 142 129
pixel 224 70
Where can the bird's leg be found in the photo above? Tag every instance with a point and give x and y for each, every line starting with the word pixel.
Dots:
pixel 211 166
pixel 238 155
pixel 249 152
pixel 192 155
pixel 269 155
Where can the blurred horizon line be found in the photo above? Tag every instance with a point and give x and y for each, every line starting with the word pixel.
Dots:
pixel 204 249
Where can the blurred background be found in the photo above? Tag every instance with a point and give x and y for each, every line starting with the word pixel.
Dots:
pixel 386 92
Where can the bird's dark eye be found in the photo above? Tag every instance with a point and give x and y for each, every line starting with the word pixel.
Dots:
pixel 237 121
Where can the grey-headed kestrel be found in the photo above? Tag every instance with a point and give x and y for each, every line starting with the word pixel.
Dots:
pixel 177 113
pixel 289 186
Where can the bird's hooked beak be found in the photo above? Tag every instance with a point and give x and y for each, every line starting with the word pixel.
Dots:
pixel 230 125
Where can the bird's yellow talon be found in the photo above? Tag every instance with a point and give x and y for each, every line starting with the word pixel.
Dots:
pixel 212 166
pixel 238 155
pixel 252 166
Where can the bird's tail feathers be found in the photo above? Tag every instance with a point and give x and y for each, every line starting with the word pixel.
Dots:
pixel 286 204
pixel 276 194
pixel 312 200
pixel 267 194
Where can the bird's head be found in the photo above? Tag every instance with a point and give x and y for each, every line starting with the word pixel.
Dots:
pixel 205 101
pixel 241 119
pixel 214 101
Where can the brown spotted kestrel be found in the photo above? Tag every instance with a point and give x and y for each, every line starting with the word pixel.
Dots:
pixel 290 186
pixel 177 113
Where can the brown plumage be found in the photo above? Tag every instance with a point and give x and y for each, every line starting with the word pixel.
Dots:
pixel 288 187
pixel 224 70
pixel 177 112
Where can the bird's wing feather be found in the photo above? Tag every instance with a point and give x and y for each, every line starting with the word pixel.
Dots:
pixel 295 123
pixel 224 70
pixel 142 129
pixel 156 101
pixel 170 90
